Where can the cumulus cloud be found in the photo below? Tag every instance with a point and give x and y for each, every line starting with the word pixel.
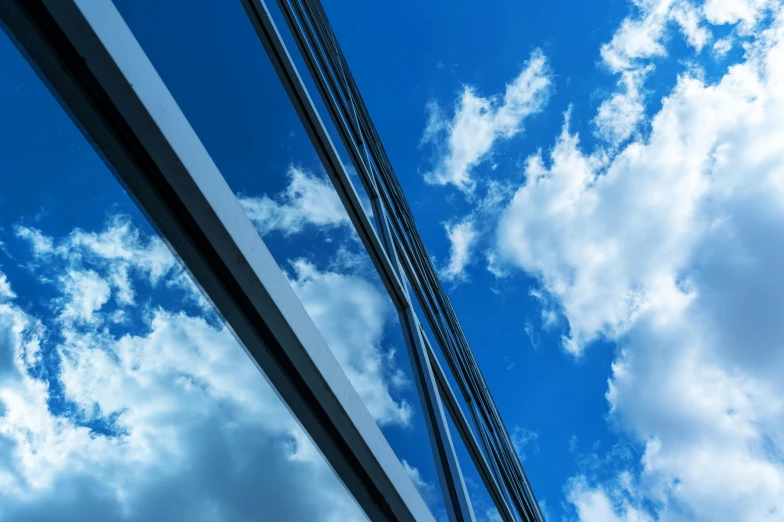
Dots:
pixel 746 13
pixel 668 248
pixel 639 36
pixel 619 116
pixel 575 266
pixel 165 416
pixel 689 20
pixel 465 140
pixel 602 505
pixel 85 293
pixel 120 245
pixel 661 188
pixel 198 432
pixel 307 200
pixel 351 314
pixel 479 123
pixel 642 37
pixel 631 53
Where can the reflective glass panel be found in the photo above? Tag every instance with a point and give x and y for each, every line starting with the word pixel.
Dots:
pixel 123 397
pixel 218 72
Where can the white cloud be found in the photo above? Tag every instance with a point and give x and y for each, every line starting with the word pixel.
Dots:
pixel 630 54
pixel 522 438
pixel 191 429
pixel 689 20
pixel 468 234
pixel 669 249
pixel 307 200
pixel 41 244
pixel 122 245
pixel 641 38
pixel 5 288
pixel 596 505
pixel 548 313
pixel 745 12
pixel 619 116
pixel 563 225
pixel 201 434
pixel 85 293
pixel 638 37
pixel 564 222
pixel 426 489
pixel 479 123
pixel 722 46
pixel 119 244
pixel 466 140
pixel 461 237
pixel 351 314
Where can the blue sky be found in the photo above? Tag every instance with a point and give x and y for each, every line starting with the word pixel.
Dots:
pixel 601 185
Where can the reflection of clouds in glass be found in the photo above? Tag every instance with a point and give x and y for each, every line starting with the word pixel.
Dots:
pixel 162 415
pixel 307 200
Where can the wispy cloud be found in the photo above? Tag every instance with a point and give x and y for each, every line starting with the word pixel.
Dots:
pixel 461 237
pixel 465 140
pixel 307 200
pixel 524 440
pixel 426 489
pixel 620 115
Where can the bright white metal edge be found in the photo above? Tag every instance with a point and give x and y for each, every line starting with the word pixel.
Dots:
pixel 117 38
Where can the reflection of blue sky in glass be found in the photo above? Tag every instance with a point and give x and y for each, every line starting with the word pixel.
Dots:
pixel 648 246
pixel 122 396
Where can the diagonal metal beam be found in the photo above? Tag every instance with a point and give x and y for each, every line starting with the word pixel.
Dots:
pixel 464 429
pixel 381 251
pixel 88 57
pixel 374 168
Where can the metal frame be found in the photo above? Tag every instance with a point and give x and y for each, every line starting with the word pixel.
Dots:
pixel 384 257
pixel 90 60
pixel 496 461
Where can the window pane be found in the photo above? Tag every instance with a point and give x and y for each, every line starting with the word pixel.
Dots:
pixel 123 397
pixel 219 74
